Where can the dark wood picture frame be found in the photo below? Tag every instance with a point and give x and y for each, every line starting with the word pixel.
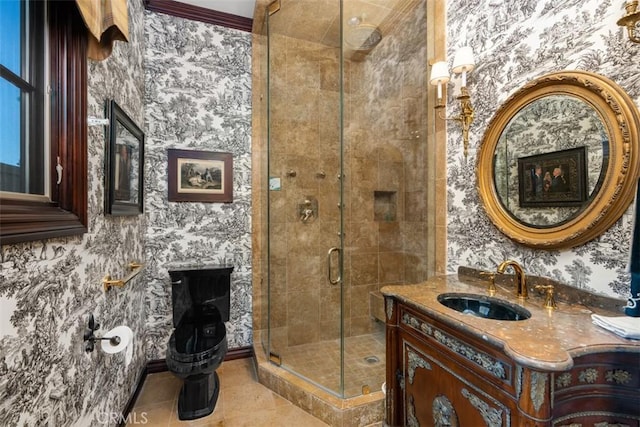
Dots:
pixel 553 179
pixel 200 176
pixel 124 164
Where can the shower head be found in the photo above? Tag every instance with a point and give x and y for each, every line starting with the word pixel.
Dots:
pixel 362 36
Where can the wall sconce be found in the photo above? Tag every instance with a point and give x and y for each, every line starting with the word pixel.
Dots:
pixel 463 63
pixel 630 20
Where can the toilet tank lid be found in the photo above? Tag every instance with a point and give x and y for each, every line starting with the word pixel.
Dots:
pixel 181 266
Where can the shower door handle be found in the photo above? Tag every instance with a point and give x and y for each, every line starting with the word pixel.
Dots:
pixel 329 269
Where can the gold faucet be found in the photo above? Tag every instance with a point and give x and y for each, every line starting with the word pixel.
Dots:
pixel 549 298
pixel 521 285
pixel 491 289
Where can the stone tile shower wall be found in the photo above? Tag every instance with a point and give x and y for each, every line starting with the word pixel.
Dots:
pixel 516 42
pixel 385 165
pixel 198 97
pixel 48 288
pixel 384 182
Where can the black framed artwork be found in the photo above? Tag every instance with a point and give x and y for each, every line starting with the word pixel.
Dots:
pixel 553 179
pixel 124 161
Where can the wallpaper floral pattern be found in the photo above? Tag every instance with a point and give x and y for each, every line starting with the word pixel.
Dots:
pixel 516 42
pixel 198 97
pixel 49 288
pixel 190 85
pixel 199 84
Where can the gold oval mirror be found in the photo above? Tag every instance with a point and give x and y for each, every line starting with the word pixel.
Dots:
pixel 559 160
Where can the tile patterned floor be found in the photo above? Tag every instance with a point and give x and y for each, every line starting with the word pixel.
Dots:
pixel 242 402
pixel 320 362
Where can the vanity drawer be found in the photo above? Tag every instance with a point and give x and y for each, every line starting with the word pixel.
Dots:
pixel 600 388
pixel 432 386
pixel 484 361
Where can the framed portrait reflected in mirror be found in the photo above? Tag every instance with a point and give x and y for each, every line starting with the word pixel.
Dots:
pixel 124 164
pixel 553 179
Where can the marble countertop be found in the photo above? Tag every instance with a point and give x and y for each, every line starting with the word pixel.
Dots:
pixel 548 340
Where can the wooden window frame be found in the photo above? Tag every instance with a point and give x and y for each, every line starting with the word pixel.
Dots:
pixel 31 85
pixel 66 213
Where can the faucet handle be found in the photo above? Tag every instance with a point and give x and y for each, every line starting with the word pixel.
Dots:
pixel 492 284
pixel 549 295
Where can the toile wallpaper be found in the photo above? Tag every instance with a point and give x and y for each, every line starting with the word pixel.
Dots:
pixel 49 288
pixel 197 97
pixel 188 85
pixel 515 42
pixel 198 83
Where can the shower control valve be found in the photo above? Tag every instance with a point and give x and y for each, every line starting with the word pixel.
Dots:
pixel 306 214
pixel 308 209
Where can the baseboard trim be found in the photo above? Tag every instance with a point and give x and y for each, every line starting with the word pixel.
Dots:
pixel 239 353
pixel 134 397
pixel 155 366
pixel 160 365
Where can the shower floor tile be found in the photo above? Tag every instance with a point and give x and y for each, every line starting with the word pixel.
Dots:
pixel 320 362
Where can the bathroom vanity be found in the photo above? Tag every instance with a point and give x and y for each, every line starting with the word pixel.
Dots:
pixel 555 368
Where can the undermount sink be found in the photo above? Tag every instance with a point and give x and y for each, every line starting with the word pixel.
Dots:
pixel 484 306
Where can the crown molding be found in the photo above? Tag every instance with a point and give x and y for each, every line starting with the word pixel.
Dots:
pixel 197 13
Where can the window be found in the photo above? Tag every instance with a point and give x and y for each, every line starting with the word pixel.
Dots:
pixel 43 87
pixel 22 97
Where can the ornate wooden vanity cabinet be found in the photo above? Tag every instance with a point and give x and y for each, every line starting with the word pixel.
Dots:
pixel 437 375
pixel 602 390
pixel 447 368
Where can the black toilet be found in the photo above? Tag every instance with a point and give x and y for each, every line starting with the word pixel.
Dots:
pixel 198 344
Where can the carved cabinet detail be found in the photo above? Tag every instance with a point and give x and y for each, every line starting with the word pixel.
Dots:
pixel 438 375
pixel 437 395
pixel 601 390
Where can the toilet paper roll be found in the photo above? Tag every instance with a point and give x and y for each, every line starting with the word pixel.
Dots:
pixel 126 337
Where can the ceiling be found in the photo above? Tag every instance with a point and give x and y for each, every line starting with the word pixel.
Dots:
pixel 234 7
pixel 316 20
pixel 319 20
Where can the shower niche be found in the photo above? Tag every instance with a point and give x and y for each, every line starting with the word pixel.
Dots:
pixel 385 206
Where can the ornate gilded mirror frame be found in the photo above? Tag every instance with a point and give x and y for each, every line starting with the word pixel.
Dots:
pixel 621 120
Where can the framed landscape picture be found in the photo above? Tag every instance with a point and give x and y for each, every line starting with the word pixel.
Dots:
pixel 200 176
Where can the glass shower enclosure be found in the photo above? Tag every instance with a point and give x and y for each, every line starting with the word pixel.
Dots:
pixel 347 181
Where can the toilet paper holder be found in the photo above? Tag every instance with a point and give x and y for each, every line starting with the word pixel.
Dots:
pixel 90 338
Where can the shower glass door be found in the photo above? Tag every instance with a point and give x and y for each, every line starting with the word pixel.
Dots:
pixel 305 305
pixel 347 181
